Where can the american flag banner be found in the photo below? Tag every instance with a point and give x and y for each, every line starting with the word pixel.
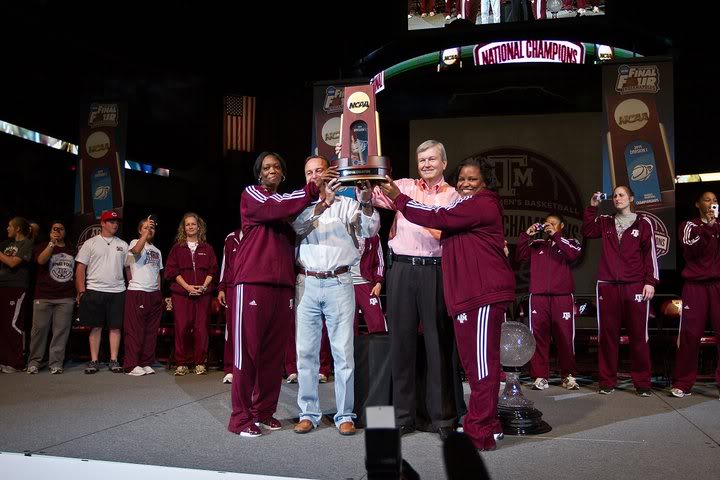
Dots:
pixel 239 123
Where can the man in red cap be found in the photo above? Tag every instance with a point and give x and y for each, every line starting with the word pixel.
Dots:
pixel 101 288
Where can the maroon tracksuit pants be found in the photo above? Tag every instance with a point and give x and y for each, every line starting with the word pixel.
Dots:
pixel 449 4
pixel 552 316
pixel 700 301
pixel 326 359
pixel 427 6
pixel 477 334
pixel 143 311
pixel 371 309
pixel 262 316
pixel 228 352
pixel 621 304
pixel 192 318
pixel 12 312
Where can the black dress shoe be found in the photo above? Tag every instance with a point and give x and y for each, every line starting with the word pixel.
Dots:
pixel 405 429
pixel 444 432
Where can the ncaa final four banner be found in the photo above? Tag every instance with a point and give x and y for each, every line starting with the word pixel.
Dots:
pixel 638 143
pixel 100 175
pixel 327 109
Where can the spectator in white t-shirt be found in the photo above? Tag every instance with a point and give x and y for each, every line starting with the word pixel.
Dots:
pixel 101 288
pixel 143 301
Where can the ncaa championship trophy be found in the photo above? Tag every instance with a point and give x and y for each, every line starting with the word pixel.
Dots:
pixel 360 154
pixel 518 414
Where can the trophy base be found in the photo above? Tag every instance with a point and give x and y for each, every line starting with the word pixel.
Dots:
pixel 374 174
pixel 522 421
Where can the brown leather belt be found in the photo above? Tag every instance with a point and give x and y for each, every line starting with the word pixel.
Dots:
pixel 322 275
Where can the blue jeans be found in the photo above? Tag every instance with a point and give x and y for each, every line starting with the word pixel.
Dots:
pixel 334 299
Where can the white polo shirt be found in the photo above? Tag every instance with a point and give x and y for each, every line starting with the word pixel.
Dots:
pixel 144 268
pixel 104 259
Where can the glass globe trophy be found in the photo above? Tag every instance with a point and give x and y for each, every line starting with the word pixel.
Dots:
pixel 518 414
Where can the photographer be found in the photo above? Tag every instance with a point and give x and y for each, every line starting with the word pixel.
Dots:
pixel 627 276
pixel 551 303
pixel 700 240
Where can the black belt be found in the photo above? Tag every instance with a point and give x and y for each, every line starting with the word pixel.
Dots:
pixel 322 275
pixel 416 260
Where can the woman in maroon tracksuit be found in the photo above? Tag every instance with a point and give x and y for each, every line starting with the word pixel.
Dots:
pixel 627 276
pixel 263 276
pixel 478 283
pixel 371 271
pixel 551 306
pixel 226 298
pixel 700 240
pixel 191 267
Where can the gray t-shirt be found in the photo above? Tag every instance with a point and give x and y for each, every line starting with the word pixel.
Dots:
pixel 18 277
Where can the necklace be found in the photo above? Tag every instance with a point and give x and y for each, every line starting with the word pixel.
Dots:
pixel 111 240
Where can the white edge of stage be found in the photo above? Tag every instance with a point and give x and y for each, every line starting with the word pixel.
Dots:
pixel 29 467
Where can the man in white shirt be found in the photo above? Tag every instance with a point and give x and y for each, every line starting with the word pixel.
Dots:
pixel 327 247
pixel 143 301
pixel 101 288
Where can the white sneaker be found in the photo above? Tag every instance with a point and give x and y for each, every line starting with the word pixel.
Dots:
pixel 676 392
pixel 200 370
pixel 424 15
pixel 227 378
pixel 137 372
pixel 8 369
pixel 498 436
pixel 581 12
pixel 540 384
pixel 596 9
pixel 459 16
pixel 569 383
pixel 32 370
pixel 148 370
pixel 182 370
pixel 432 14
pixel 292 378
pixel 447 17
pixel 322 378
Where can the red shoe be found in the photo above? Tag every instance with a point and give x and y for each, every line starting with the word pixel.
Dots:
pixel 251 431
pixel 271 423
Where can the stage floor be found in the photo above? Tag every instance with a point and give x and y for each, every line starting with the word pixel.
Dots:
pixel 181 422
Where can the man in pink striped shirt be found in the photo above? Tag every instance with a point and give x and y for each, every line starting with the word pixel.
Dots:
pixel 415 294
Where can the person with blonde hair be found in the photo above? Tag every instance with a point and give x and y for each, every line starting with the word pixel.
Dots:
pixel 191 267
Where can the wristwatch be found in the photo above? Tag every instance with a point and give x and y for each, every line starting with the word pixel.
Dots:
pixel 367 204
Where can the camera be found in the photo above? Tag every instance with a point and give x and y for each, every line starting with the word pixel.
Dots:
pixel 714 208
pixel 602 196
pixel 154 218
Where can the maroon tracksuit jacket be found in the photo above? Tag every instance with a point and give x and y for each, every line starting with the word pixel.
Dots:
pixel 700 297
pixel 478 283
pixel 191 313
pixel 372 269
pixel 551 305
pixel 232 242
pixel 263 275
pixel 626 265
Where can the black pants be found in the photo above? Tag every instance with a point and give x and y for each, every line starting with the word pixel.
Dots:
pixel 415 294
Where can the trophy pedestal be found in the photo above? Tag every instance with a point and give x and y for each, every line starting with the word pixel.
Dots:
pixel 522 421
pixel 373 170
pixel 518 415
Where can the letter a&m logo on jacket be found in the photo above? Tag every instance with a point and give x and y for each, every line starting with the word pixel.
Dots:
pixel 462 318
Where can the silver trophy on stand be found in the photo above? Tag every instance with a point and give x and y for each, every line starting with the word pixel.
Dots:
pixel 518 414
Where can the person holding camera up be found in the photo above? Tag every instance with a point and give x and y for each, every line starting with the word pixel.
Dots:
pixel 551 306
pixel 143 300
pixel 700 240
pixel 627 276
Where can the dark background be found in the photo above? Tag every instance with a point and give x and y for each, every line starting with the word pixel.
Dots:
pixel 173 61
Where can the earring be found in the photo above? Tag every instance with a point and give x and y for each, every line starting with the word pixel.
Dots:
pixel 259 180
pixel 283 178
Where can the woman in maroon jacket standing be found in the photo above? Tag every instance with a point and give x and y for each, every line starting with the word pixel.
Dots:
pixel 263 276
pixel 478 284
pixel 552 305
pixel 700 240
pixel 191 267
pixel 627 276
